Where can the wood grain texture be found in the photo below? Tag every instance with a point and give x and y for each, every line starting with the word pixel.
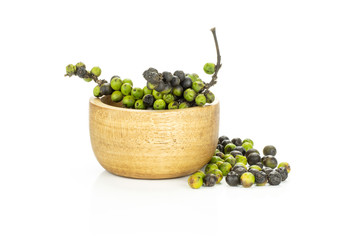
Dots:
pixel 152 144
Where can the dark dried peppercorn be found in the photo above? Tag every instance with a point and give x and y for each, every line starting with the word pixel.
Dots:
pixel 225 142
pixel 250 151
pixel 220 147
pixel 241 149
pixel 235 153
pixel 210 180
pixel 274 178
pixel 253 158
pixel 236 141
pixel 222 138
pixel 180 74
pixel 283 172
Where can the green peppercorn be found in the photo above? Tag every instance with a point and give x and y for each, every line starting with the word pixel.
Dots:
pixel 189 95
pixel 127 80
pixel 80 65
pixel 209 68
pixel 247 146
pixel 184 105
pixel 70 70
pixel 215 159
pixel 139 104
pixel 200 173
pixel 247 179
pixel 147 90
pixel 248 140
pixel 231 160
pixel 168 98
pixel 286 165
pixel 193 77
pixel 96 71
pixel 87 79
pixel 115 76
pixel 159 104
pixel 195 181
pixel 219 163
pixel 116 83
pixel 227 156
pixel 198 86
pixel 157 95
pixel 129 101
pixel 241 159
pixel 210 167
pixel 116 96
pixel 126 89
pixel 151 86
pixel 225 168
pixel 200 100
pixel 173 105
pixel 255 167
pixel 137 93
pixel 229 147
pixel 96 91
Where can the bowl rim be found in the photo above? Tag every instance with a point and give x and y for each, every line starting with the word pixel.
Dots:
pixel 97 101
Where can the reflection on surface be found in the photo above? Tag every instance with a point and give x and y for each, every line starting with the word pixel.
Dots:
pixel 107 183
pixel 122 204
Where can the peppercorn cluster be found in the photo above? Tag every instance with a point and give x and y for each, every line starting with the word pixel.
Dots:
pixel 241 164
pixel 164 90
pixel 176 90
pixel 79 70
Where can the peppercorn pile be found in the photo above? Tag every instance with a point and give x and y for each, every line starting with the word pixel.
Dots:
pixel 241 164
pixel 162 91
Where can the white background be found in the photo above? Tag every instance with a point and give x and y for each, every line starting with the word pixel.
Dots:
pixel 290 78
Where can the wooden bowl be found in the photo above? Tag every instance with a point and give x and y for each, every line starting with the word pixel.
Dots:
pixel 152 144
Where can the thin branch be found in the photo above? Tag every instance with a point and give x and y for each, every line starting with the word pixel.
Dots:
pixel 218 63
pixel 93 77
